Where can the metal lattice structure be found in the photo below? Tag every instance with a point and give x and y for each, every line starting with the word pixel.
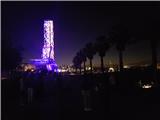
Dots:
pixel 48 47
pixel 47 57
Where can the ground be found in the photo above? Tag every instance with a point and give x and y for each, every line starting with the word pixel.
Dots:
pixel 67 103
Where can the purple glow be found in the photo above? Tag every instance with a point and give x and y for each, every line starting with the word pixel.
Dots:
pixel 48 48
pixel 49 67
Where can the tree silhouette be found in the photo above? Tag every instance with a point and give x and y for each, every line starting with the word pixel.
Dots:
pixel 83 57
pixel 77 61
pixel 102 45
pixel 11 56
pixel 120 36
pixel 80 60
pixel 90 52
pixel 149 30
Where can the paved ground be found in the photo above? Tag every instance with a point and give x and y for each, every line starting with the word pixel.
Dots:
pixel 67 104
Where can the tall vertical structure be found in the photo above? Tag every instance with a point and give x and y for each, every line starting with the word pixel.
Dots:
pixel 48 48
pixel 47 58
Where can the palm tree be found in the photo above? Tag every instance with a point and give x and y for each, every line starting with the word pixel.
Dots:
pixel 84 58
pixel 11 56
pixel 120 37
pixel 149 30
pixel 75 62
pixel 90 52
pixel 80 59
pixel 102 46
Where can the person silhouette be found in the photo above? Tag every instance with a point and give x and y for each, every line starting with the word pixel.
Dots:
pixel 87 86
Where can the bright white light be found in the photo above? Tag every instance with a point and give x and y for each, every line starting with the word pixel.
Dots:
pixel 62 70
pixel 147 86
pixel 59 70
pixel 88 68
pixel 126 66
pixel 111 69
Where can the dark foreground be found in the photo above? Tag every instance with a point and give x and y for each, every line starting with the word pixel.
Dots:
pixel 61 98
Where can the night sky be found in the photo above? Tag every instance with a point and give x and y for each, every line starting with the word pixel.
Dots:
pixel 75 24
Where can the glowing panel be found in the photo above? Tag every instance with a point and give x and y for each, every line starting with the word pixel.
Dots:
pixel 48 47
pixel 49 67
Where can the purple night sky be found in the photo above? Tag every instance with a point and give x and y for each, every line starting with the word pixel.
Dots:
pixel 75 24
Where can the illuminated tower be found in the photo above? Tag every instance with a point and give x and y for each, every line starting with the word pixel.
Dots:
pixel 47 56
pixel 48 47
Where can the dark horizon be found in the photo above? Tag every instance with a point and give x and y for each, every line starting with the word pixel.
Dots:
pixel 75 24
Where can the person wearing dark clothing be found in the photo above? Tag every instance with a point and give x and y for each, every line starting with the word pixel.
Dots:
pixel 40 86
pixel 87 88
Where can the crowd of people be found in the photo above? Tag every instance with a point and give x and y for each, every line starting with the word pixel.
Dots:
pixel 34 85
